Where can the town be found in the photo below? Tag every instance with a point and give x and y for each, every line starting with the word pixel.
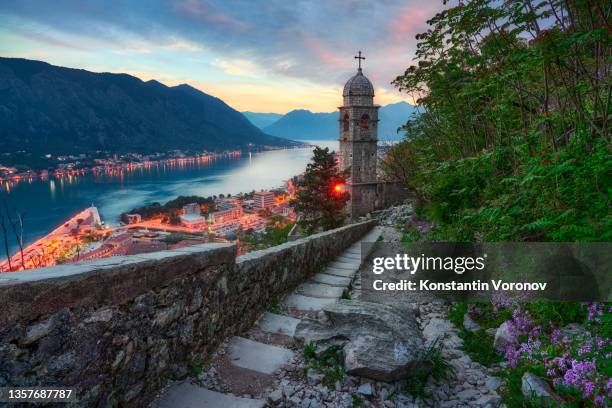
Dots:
pixel 241 218
pixel 66 166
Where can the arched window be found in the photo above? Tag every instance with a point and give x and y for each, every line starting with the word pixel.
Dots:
pixel 364 122
pixel 345 123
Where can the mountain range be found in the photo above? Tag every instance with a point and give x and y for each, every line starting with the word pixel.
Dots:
pixel 46 108
pixel 301 124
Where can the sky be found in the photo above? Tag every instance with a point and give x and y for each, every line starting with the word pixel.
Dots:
pixel 256 55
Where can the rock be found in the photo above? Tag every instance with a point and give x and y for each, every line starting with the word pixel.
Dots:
pixel 572 331
pixel 313 377
pixel 469 324
pixel 468 394
pixel 488 401
pixel 365 389
pixel 437 328
pixel 382 342
pixel 491 331
pixel 492 383
pixel 275 396
pixel 503 338
pixel 37 331
pixel 534 386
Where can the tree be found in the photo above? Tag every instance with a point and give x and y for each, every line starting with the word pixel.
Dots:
pixel 512 140
pixel 321 197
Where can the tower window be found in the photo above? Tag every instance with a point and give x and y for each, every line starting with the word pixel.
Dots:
pixel 345 122
pixel 364 122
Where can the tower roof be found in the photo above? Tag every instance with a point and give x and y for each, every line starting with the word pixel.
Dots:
pixel 358 85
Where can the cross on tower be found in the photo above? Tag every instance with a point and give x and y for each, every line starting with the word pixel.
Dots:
pixel 359 58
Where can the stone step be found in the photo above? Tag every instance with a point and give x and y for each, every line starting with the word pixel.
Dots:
pixel 187 395
pixel 343 273
pixel 275 323
pixel 320 290
pixel 353 266
pixel 256 356
pixel 348 258
pixel 332 280
pixel 306 303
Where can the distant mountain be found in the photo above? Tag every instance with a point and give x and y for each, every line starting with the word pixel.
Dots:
pixel 261 120
pixel 54 109
pixel 303 124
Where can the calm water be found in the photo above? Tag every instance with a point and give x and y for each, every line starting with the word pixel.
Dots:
pixel 47 203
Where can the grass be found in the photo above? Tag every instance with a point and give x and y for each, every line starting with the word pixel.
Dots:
pixel 434 365
pixel 513 396
pixel 356 400
pixel 412 235
pixel 328 363
pixel 275 305
pixel 479 346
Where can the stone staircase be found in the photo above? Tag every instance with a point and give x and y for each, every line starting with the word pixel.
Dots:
pixel 246 366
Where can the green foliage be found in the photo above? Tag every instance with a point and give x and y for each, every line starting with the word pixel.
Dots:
pixel 479 346
pixel 319 204
pixel 513 143
pixel 175 238
pixel 276 233
pixel 275 307
pixel 310 351
pixel 346 295
pixel 171 208
pixel 434 365
pixel 544 312
pixel 456 313
pixel 356 400
pixel 328 363
pixel 512 395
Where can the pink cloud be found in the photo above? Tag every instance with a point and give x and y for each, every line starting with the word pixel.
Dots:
pixel 323 53
pixel 410 21
pixel 205 13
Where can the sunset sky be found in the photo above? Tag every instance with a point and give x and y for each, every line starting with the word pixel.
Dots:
pixel 262 56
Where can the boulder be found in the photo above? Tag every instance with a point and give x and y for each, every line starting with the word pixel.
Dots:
pixel 534 386
pixel 378 341
pixel 503 337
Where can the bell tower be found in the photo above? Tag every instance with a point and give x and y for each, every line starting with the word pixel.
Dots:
pixel 358 141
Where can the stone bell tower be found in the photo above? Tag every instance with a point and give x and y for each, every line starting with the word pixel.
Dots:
pixel 358 142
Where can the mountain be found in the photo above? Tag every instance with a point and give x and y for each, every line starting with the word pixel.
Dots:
pixel 303 124
pixel 261 120
pixel 47 108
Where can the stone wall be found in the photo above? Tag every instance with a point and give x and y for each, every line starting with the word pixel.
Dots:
pixel 117 329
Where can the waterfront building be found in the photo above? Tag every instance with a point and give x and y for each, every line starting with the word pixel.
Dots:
pixel 191 217
pixel 263 200
pixel 225 214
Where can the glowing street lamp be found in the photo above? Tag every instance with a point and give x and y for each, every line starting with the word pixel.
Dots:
pixel 338 188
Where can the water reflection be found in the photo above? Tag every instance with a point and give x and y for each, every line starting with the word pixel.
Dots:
pixel 48 202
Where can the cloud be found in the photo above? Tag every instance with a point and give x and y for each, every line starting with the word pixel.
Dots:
pixel 276 41
pixel 238 67
pixel 208 14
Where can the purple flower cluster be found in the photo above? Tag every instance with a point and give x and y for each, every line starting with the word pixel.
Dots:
pixel 595 311
pixel 571 362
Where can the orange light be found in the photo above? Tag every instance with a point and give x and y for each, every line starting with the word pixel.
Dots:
pixel 338 188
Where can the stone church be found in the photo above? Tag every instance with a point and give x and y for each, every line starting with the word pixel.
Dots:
pixel 359 148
